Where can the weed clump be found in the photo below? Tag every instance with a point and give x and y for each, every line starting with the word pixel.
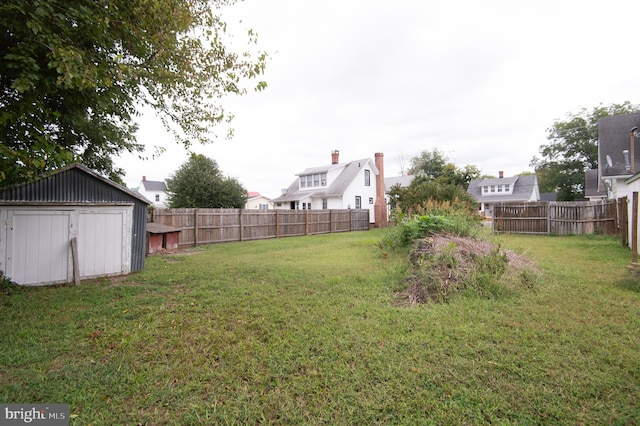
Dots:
pixel 409 229
pixel 7 286
pixel 445 265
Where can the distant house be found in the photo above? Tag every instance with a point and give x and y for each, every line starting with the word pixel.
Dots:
pixel 503 189
pixel 154 191
pixel 548 196
pixel 618 153
pixel 390 182
pixel 355 184
pixel 403 181
pixel 593 191
pixel 256 201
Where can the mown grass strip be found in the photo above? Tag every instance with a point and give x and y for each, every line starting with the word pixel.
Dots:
pixel 305 330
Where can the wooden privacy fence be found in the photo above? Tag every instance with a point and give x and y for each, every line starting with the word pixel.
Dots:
pixel 207 226
pixel 556 217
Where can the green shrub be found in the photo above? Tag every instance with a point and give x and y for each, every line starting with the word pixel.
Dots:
pixel 443 218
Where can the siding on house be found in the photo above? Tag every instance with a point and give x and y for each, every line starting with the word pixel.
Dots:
pixel 345 184
pixel 154 191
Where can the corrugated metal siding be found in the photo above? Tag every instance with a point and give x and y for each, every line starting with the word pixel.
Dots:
pixel 79 185
pixel 139 236
pixel 70 186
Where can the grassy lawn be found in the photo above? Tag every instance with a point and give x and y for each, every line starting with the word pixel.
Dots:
pixel 306 330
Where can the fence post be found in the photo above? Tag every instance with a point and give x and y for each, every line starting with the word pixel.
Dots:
pixel 195 227
pixel 330 221
pixel 549 218
pixel 240 222
pixel 306 222
pixel 277 224
pixel 350 220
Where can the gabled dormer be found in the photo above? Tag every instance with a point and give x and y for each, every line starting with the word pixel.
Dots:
pixel 498 186
pixel 503 189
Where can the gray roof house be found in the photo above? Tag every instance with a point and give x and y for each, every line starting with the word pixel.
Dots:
pixel 154 191
pixel 618 152
pixel 357 184
pixel 593 191
pixel 502 190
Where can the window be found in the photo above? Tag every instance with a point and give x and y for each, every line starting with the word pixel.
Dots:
pixel 157 198
pixel 358 202
pixel 500 188
pixel 264 207
pixel 507 188
pixel 324 204
pixel 493 188
pixel 370 200
pixel 485 189
pixel 367 178
pixel 313 180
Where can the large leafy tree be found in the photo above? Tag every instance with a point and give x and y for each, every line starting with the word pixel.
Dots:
pixel 437 179
pixel 429 164
pixel 573 149
pixel 199 183
pixel 434 166
pixel 73 75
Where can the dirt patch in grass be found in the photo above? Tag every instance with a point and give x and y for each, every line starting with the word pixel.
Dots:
pixel 443 265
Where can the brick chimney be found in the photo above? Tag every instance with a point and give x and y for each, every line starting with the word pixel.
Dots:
pixel 144 178
pixel 380 205
pixel 334 156
pixel 500 174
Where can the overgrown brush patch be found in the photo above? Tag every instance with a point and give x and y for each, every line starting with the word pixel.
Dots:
pixel 410 228
pixel 449 257
pixel 444 265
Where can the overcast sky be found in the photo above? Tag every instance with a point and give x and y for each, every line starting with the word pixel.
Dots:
pixel 479 80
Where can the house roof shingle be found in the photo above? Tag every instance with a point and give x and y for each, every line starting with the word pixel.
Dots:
pixel 154 185
pixel 614 137
pixel 349 171
pixel 523 188
pixel 591 184
pixel 403 181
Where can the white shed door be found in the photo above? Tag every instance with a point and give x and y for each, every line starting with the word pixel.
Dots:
pixel 103 242
pixel 39 247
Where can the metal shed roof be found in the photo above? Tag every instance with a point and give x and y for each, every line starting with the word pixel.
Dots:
pixel 71 184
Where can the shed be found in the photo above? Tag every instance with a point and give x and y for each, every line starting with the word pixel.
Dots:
pixel 162 238
pixel 39 220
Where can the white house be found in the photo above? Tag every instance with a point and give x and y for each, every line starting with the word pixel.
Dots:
pixel 503 189
pixel 256 201
pixel 154 191
pixel 356 184
pixel 403 181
